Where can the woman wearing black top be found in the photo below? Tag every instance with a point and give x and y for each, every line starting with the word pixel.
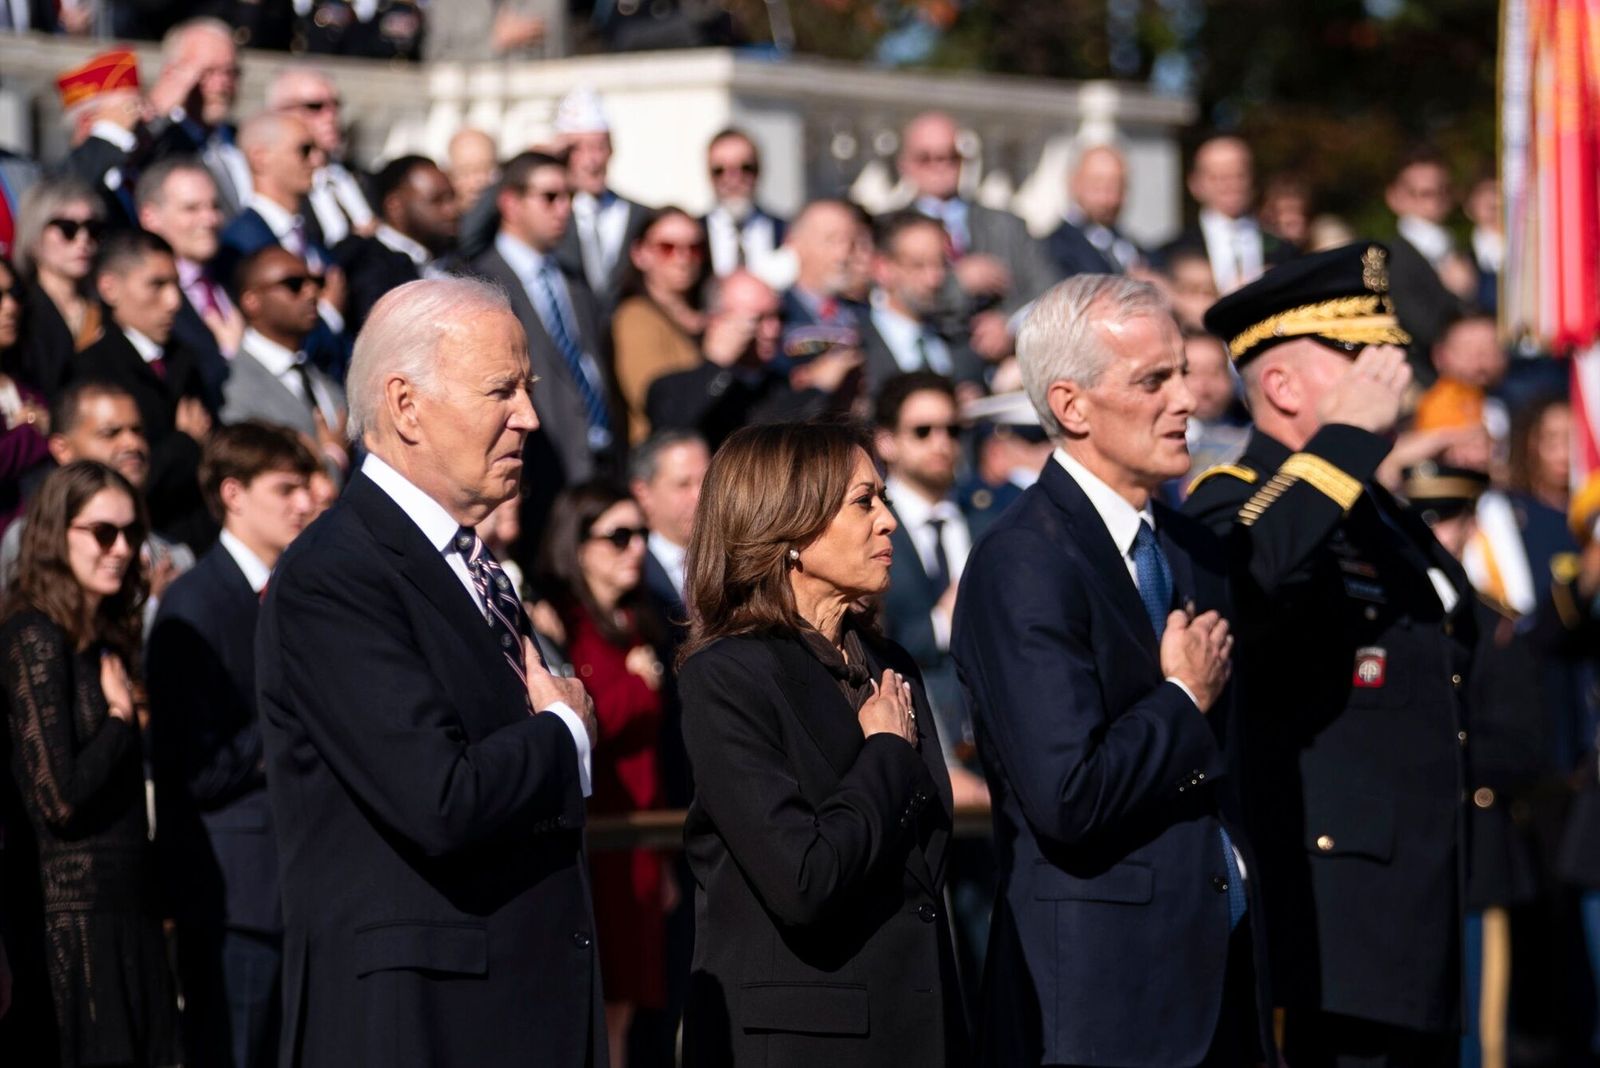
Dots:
pixel 818 831
pixel 70 629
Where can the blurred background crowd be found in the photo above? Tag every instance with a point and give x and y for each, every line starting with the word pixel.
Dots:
pixel 178 297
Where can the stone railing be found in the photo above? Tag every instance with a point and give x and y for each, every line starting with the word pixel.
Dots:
pixel 823 127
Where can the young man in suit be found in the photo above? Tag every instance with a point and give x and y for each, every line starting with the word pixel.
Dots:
pixel 1092 649
pixel 1356 642
pixel 219 856
pixel 664 476
pixel 740 232
pixel 272 380
pixel 427 773
pixel 1222 181
pixel 902 331
pixel 604 224
pixel 1088 241
pixel 420 221
pixel 137 278
pixel 581 422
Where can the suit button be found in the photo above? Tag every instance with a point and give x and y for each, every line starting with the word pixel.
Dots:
pixel 1325 843
pixel 1371 613
pixel 1219 884
pixel 1483 797
pixel 1455 680
pixel 581 939
pixel 927 913
pixel 1199 776
pixel 1182 787
pixel 1461 736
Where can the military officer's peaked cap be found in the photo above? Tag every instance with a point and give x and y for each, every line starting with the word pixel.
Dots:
pixel 1339 296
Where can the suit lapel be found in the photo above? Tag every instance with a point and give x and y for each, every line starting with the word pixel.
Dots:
pixel 1105 568
pixel 425 568
pixel 818 704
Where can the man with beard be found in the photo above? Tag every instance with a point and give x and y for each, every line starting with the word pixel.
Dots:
pixel 740 232
pixel 421 218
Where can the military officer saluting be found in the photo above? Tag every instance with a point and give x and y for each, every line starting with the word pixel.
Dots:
pixel 1355 632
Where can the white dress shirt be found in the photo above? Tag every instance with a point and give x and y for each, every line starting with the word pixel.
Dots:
pixel 337 202
pixel 280 363
pixel 756 235
pixel 1429 238
pixel 673 558
pixel 113 134
pixel 914 512
pixel 1234 247
pixel 440 527
pixel 1121 520
pixel 901 333
pixel 395 241
pixel 149 351
pixel 602 222
pixel 256 573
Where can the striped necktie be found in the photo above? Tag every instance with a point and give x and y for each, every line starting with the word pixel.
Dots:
pixel 501 606
pixel 566 342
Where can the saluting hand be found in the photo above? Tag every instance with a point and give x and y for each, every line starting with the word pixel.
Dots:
pixel 545 689
pixel 1368 395
pixel 888 710
pixel 1198 652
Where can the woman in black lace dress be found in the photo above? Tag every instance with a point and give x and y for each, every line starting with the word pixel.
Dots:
pixel 70 629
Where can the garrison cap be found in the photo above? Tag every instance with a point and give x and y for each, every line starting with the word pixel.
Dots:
pixel 1341 295
pixel 1437 491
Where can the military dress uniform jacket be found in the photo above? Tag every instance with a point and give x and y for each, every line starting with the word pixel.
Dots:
pixel 1350 673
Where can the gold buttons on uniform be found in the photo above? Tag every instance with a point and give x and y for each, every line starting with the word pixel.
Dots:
pixel 1325 843
pixel 1483 797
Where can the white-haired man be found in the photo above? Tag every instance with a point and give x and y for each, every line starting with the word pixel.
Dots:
pixel 193 98
pixel 1089 641
pixel 427 773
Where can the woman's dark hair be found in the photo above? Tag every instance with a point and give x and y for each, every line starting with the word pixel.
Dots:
pixel 769 489
pixel 12 280
pixel 560 568
pixel 1524 427
pixel 45 581
pixel 632 282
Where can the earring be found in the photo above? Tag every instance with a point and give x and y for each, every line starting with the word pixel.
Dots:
pixel 794 556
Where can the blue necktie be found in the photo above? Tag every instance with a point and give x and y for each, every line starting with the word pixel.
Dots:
pixel 555 321
pixel 1154 578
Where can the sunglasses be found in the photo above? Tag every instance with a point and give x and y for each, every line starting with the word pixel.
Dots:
pixel 294 283
pixel 622 537
pixel 693 249
pixel 318 106
pixel 105 535
pixel 926 431
pixel 926 158
pixel 549 196
pixel 747 169
pixel 70 228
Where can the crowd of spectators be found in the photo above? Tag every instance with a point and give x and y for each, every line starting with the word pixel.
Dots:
pixel 178 300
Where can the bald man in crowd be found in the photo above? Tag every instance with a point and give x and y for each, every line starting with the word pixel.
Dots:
pixel 1222 182
pixel 1088 241
pixel 472 165
pixel 338 206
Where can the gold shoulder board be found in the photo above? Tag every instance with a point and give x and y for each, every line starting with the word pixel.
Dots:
pixel 1243 474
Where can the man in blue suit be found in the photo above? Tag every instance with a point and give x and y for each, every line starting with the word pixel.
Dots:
pixel 218 851
pixel 1088 241
pixel 1089 641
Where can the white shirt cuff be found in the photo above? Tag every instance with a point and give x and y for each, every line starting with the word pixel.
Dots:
pixel 941 629
pixel 331 316
pixel 1186 691
pixel 580 736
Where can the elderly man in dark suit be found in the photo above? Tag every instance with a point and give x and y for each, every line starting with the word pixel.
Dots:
pixel 1090 643
pixel 581 424
pixel 219 857
pixel 1088 241
pixel 427 772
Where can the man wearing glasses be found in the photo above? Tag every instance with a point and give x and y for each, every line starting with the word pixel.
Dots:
pixel 582 427
pixel 741 233
pixel 338 207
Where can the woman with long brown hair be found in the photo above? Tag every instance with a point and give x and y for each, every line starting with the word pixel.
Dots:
pixel 822 812
pixel 592 570
pixel 69 634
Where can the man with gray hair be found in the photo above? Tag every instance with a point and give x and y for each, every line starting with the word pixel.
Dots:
pixel 1089 642
pixel 426 771
pixel 338 206
pixel 193 99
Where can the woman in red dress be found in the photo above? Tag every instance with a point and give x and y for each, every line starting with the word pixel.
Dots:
pixel 592 565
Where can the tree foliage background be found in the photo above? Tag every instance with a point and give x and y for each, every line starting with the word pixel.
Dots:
pixel 1335 91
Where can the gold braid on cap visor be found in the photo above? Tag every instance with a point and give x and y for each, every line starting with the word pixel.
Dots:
pixel 1367 319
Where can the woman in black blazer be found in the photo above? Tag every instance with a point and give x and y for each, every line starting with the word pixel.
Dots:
pixel 822 813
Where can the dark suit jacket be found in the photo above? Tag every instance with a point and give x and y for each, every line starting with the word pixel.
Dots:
pixel 245 235
pixel 371 269
pixel 220 856
pixel 570 254
pixel 1005 236
pixel 1423 305
pixel 1193 239
pixel 558 453
pixel 92 161
pixel 47 346
pixel 819 862
pixel 1073 253
pixel 714 401
pixel 1109 942
pixel 191 332
pixel 435 899
pixel 881 365
pixel 173 489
